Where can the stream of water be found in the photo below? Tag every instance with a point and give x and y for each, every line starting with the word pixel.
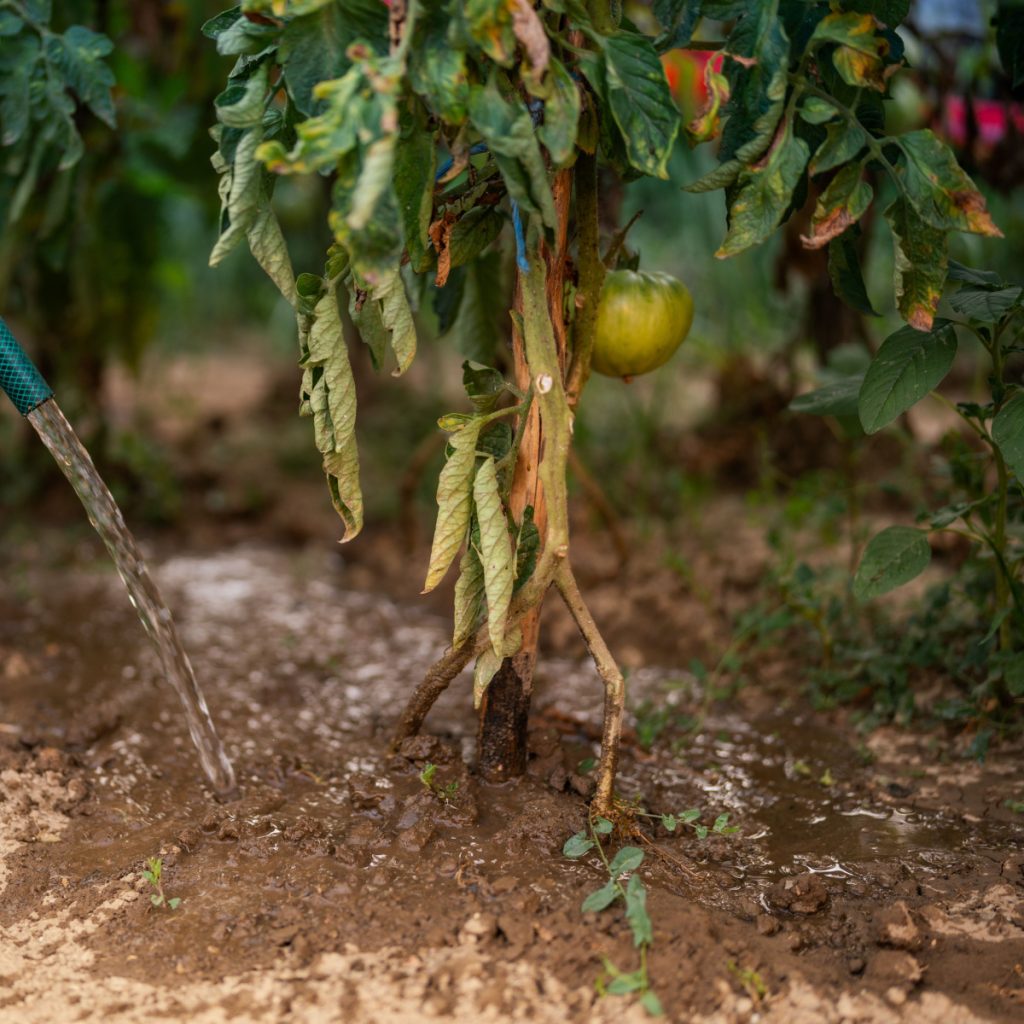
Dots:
pixel 106 518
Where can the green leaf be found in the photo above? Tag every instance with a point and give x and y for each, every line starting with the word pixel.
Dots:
pixel 489 23
pixel 939 188
pixel 839 207
pixel 652 1004
pixel 601 898
pixel 562 106
pixel 845 274
pixel 79 53
pixel 840 398
pixel 18 61
pixel 415 164
pixel 636 912
pixel 469 596
pixel 909 364
pixel 1010 40
pixel 240 105
pixel 893 557
pixel 495 550
pixel 701 831
pixel 889 12
pixel 629 858
pixel 477 329
pixel 719 177
pixel 603 827
pixel 454 503
pixel 859 54
pixel 842 143
pixel 640 102
pixel 625 984
pixel 508 130
pixel 1013 673
pixel 268 246
pixel 174 902
pixel 527 548
pixel 678 19
pixel 720 824
pixel 1008 433
pixel 764 194
pixel 815 110
pixel 984 305
pixel 472 233
pixel 920 265
pixel 670 822
pixel 241 190
pixel 690 816
pixel 156 899
pixel 979 278
pixel 437 69
pixel 577 845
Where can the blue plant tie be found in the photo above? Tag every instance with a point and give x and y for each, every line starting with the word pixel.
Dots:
pixel 517 227
pixel 517 220
pixel 19 378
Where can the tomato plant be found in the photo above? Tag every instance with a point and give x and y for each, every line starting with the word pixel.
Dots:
pixel 454 132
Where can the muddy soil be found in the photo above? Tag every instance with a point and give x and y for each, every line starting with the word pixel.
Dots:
pixel 874 879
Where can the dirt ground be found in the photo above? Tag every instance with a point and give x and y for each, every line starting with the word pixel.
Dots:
pixel 875 878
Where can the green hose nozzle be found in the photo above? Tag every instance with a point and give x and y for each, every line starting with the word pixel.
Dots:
pixel 19 378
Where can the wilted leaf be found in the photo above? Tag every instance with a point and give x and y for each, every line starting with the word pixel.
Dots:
pixel 764 193
pixel 893 557
pixel 454 503
pixel 396 316
pixel 909 364
pixel 1008 434
pixel 529 30
pixel 920 265
pixel 469 596
pixel 839 207
pixel 495 550
pixel 241 188
pixel 939 188
pixel 561 115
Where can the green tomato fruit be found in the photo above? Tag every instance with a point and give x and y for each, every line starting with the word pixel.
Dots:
pixel 641 320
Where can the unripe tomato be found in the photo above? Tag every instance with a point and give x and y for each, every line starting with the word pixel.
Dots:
pixel 641 320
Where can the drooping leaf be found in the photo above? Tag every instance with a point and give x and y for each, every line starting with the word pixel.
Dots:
pixel 489 662
pixel 268 246
pixel 920 265
pixel 839 207
pixel 557 132
pixel 414 166
pixel 508 130
pixel 1008 434
pixel 845 274
pixel 241 187
pixel 985 305
pixel 495 551
pixel 939 188
pixel 893 557
pixel 909 364
pixel 978 278
pixel 396 315
pixel 454 503
pixel 469 596
pixel 641 102
pixel 477 328
pixel 764 194
pixel 527 548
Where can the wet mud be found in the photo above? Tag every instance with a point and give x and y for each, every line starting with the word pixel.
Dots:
pixel 875 878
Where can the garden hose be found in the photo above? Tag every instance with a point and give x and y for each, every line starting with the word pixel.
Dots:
pixel 22 382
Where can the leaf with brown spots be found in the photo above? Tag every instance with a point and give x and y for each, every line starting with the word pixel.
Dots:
pixel 939 188
pixel 921 263
pixel 840 206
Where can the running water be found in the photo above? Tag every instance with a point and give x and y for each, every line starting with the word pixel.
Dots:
pixel 105 516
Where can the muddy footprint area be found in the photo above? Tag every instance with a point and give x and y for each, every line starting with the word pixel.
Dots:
pixel 874 878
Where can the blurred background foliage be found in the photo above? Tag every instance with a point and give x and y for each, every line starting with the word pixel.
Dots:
pixel 104 277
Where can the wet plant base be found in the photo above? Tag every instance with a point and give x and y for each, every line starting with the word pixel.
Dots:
pixel 873 879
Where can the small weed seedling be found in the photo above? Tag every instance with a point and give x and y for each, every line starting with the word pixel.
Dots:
pixel 154 875
pixel 446 792
pixel 626 885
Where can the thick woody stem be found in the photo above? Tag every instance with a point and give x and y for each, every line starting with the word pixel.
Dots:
pixel 614 687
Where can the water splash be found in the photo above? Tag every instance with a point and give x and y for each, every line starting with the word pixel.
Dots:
pixel 106 518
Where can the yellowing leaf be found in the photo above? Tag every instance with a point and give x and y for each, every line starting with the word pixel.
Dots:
pixel 840 206
pixel 469 596
pixel 454 503
pixel 921 261
pixel 496 553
